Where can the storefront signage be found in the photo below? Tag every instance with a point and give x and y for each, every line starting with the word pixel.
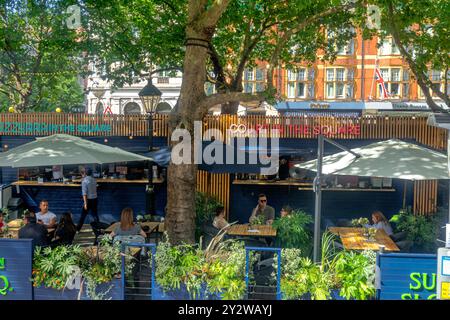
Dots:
pixel 354 130
pixel 44 128
pixel 423 283
pixel 403 276
pixel 5 286
pixel 404 105
pixel 319 105
pixel 15 269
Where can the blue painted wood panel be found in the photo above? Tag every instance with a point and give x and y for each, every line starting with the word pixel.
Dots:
pixel 406 276
pixel 15 269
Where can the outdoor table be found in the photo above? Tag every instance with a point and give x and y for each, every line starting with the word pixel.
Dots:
pixel 153 226
pixel 354 239
pixel 254 231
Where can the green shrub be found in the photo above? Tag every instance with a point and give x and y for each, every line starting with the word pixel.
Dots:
pixel 422 230
pixel 292 231
pixel 205 208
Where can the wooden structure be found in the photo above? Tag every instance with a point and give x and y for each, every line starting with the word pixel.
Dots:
pixel 379 127
pixel 244 230
pixel 353 239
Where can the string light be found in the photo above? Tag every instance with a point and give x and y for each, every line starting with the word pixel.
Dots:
pixel 106 140
pixel 58 110
pixel 5 146
pixel 11 109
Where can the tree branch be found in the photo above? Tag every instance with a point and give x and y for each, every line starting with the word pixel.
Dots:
pixel 210 17
pixel 222 98
pixel 422 80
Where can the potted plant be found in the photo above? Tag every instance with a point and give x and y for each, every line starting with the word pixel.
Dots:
pixel 362 223
pixel 257 221
pixel 421 230
pixel 292 231
pixel 186 272
pixel 95 269
pixel 340 275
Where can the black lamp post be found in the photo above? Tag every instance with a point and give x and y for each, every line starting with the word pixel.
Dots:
pixel 150 97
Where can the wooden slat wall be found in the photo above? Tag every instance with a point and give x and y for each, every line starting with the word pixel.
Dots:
pixel 425 197
pixel 371 127
pixel 217 185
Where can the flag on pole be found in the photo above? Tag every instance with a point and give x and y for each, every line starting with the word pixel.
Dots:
pixel 107 110
pixel 380 81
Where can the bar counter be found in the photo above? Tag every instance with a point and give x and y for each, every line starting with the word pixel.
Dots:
pixel 77 183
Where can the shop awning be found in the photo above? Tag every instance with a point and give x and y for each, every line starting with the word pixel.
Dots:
pixel 386 159
pixel 63 149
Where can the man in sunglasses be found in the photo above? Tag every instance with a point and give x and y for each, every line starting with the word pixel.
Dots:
pixel 263 209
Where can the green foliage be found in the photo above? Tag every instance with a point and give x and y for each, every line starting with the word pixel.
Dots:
pixel 53 267
pixel 422 230
pixel 351 272
pixel 205 208
pixel 40 56
pixel 361 222
pixel 222 272
pixel 355 274
pixel 258 220
pixel 292 231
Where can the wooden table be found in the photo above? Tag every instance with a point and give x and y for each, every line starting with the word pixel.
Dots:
pixel 353 239
pixel 256 231
pixel 151 225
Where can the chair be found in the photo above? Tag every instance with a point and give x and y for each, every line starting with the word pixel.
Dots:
pixel 99 229
pixel 399 236
pixel 209 232
pixel 405 245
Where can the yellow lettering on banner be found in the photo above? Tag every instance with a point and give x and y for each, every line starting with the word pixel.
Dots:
pixel 445 291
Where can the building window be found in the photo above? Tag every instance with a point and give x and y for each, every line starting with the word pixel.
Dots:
pixel 343 49
pixel 132 108
pixel 396 81
pixel 99 109
pixel 297 83
pixel 388 47
pixel 254 80
pixel 163 77
pixel 339 83
pixel 438 79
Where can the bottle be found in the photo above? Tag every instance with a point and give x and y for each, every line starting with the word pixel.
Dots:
pixel 155 172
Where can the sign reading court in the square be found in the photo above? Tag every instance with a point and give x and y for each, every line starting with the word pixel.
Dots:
pixel 44 128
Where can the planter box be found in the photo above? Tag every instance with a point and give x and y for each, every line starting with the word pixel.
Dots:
pixel 182 294
pixel 115 293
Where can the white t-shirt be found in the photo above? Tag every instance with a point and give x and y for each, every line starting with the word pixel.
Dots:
pixel 45 218
pixel 385 226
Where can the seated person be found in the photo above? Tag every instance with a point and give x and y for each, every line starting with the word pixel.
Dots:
pixel 65 231
pixel 219 220
pixel 46 217
pixel 285 211
pixel 127 227
pixel 380 222
pixel 34 231
pixel 2 223
pixel 263 209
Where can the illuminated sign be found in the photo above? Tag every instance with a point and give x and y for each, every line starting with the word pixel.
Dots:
pixel 46 128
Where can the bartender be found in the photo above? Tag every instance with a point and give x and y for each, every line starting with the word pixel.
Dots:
pixel 89 193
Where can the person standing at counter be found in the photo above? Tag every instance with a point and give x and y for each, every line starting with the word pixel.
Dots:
pixel 89 193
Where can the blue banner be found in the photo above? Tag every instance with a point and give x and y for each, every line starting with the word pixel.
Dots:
pixel 402 276
pixel 16 260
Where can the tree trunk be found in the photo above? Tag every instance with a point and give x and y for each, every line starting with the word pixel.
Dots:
pixel 230 108
pixel 182 179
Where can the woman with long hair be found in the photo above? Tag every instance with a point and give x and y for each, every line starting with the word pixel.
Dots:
pixel 380 222
pixel 65 231
pixel 127 226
